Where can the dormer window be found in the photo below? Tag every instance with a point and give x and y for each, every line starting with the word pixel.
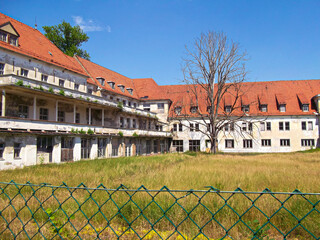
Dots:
pixel 61 83
pixel 89 90
pixel 13 40
pixel 194 109
pixel 209 109
pixel 101 80
pixel 305 107
pixel 146 107
pixel 3 37
pixel 245 108
pixel 282 107
pixel 130 90
pixel 227 109
pixel 44 78
pixel 111 84
pixel 121 87
pixel 1 68
pixel 264 108
pixel 177 110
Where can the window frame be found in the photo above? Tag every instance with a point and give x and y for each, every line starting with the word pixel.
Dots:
pixel 285 143
pixel 17 150
pixel 44 78
pixel 2 67
pixel 228 142
pixel 44 114
pixel 265 142
pixel 61 116
pixel 24 72
pixel 247 143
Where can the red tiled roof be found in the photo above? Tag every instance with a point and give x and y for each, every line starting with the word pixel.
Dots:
pixel 267 91
pixel 34 44
pixel 94 70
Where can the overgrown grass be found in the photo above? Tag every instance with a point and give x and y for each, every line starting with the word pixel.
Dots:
pixel 278 172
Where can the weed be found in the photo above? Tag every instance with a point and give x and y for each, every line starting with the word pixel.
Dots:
pixel 50 90
pixel 61 92
pixel 19 83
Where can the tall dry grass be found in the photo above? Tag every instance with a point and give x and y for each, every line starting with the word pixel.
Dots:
pixel 278 172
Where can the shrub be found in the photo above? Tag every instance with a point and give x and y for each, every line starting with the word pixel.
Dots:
pixel 120 134
pixel 120 105
pixel 135 134
pixel 90 131
pixel 61 92
pixel 50 90
pixel 19 83
pixel 82 131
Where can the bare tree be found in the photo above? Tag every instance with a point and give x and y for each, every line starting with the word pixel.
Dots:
pixel 214 70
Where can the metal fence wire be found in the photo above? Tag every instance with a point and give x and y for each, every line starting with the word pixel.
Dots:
pixel 43 211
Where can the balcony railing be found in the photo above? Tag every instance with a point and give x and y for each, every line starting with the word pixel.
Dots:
pixel 11 79
pixel 73 128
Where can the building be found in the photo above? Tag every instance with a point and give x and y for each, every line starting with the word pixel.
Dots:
pixel 56 108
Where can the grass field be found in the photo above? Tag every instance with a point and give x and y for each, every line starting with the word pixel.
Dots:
pixel 250 172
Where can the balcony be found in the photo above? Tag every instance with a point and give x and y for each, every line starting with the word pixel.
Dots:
pixel 11 79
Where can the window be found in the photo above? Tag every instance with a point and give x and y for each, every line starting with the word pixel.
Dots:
pixel 129 104
pixel 244 126
pixel 264 108
pixel 44 144
pixel 307 142
pixel 191 127
pixel 307 125
pixel 3 37
pixel 161 107
pixel 101 80
pixel 285 142
pixel 194 145
pixel 197 127
pixel 134 123
pixel 146 107
pixel 226 127
pixel 284 126
pixel 13 40
pixel 250 126
pixel 24 72
pixel 148 146
pixel 23 111
pixel 77 117
pixel 265 126
pixel 102 143
pixel 247 143
pixel 282 107
pixel 61 116
pixel 121 122
pixel 1 150
pixel 128 123
pixel 227 109
pixel 305 107
pixel 209 109
pixel 175 127
pixel 130 90
pixel 1 68
pixel 194 109
pixel 43 114
pixel 16 150
pixel 61 83
pixel 268 126
pixel 124 102
pixel 111 84
pixel 177 110
pixel 178 144
pixel 76 86
pixel 180 127
pixel 134 105
pixel 231 127
pixel 229 143
pixel 89 90
pixel 121 87
pixel 245 108
pixel 266 142
pixel 44 78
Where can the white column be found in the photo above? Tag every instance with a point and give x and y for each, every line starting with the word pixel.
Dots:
pixel 89 115
pixel 77 149
pixel 94 148
pixel 102 115
pixel 57 109
pixel 56 152
pixel 3 100
pixel 74 113
pixel 35 107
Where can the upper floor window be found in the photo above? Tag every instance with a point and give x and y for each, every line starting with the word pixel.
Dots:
pixel 16 150
pixel 305 107
pixel 121 87
pixel 161 107
pixel 111 84
pixel 89 90
pixel 61 83
pixel 265 126
pixel 284 126
pixel 24 72
pixel 304 125
pixel 130 90
pixel 23 111
pixel 177 110
pixel 43 114
pixel 61 116
pixel 1 68
pixel 101 80
pixel 264 108
pixel 227 109
pixel 44 78
pixel 245 108
pixel 3 37
pixel 146 107
pixel 13 40
pixel 2 145
pixel 76 86
pixel 194 109
pixel 282 107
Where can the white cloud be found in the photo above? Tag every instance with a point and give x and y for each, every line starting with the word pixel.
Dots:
pixel 89 26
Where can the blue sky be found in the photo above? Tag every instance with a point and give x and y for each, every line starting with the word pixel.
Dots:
pixel 147 38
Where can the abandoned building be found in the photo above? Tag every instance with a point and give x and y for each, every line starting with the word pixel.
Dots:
pixel 56 108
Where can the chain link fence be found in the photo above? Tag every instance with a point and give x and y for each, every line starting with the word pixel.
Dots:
pixel 43 211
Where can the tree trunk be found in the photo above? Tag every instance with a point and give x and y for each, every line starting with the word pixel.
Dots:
pixel 213 145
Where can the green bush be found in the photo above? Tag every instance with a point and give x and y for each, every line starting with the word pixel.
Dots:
pixel 61 92
pixel 19 83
